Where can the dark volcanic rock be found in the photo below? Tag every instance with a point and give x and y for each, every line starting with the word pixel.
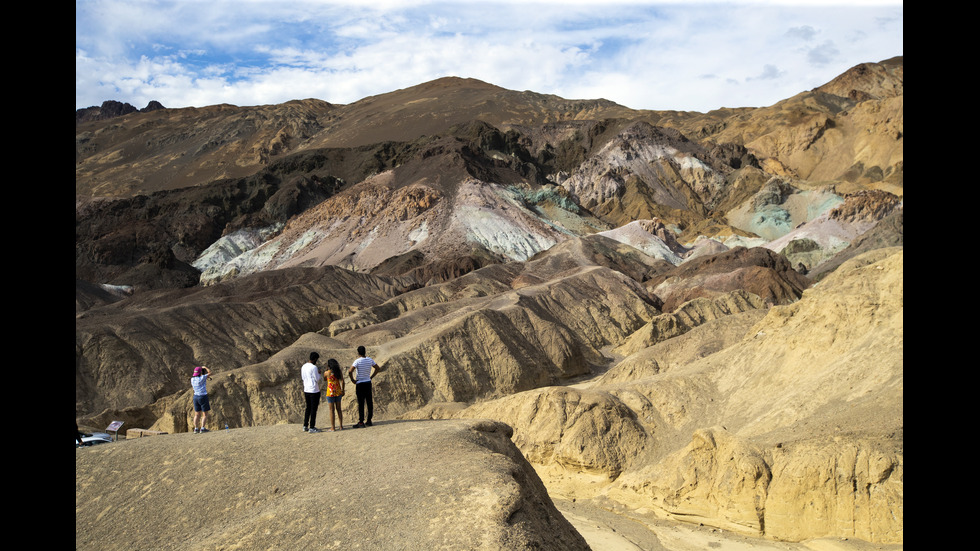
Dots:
pixel 108 110
pixel 148 241
pixel 757 270
pixel 111 109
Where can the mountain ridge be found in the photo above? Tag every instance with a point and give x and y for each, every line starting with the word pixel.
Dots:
pixel 615 170
pixel 318 123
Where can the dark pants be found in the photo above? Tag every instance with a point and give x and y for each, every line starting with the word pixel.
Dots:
pixel 364 395
pixel 312 403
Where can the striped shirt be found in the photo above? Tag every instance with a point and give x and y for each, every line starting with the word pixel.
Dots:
pixel 363 366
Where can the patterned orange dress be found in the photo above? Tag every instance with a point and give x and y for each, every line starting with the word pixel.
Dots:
pixel 333 386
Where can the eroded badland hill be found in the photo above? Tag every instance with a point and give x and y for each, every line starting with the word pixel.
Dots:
pixel 684 317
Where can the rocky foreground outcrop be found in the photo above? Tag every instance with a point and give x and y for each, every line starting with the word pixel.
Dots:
pixel 275 487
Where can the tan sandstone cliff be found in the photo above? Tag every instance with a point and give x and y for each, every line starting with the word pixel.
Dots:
pixel 794 431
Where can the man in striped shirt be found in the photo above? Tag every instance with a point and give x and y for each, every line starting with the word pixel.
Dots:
pixel 360 373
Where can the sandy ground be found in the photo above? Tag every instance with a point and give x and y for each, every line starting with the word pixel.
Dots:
pixel 608 531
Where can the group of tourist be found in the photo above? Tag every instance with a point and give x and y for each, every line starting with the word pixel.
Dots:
pixel 360 373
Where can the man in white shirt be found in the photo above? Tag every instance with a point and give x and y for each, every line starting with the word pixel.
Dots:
pixel 311 391
pixel 362 367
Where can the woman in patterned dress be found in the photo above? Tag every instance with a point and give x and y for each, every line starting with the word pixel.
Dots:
pixel 335 390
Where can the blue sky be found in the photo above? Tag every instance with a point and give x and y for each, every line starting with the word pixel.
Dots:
pixel 692 56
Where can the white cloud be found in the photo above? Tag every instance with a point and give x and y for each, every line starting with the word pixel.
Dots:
pixel 649 55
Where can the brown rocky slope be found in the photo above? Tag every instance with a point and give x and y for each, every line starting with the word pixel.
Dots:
pixel 180 179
